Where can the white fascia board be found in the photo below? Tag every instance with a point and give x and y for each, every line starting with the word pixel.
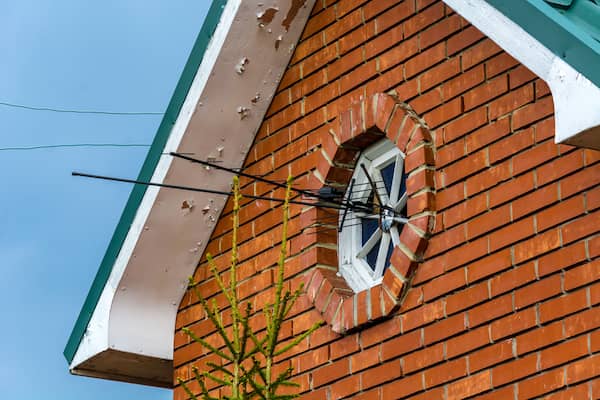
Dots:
pixel 576 98
pixel 96 337
pixel 133 323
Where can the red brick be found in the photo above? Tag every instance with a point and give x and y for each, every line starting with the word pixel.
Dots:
pixel 463 39
pixel 364 359
pixel 443 329
pixel 561 212
pixel 345 24
pixel 401 345
pixel 463 168
pixel 511 145
pixel 439 31
pixel 398 54
pixel 505 393
pixel 582 275
pixel 535 156
pixel 580 181
pixel 535 200
pixel 489 265
pixel 541 384
pixel 537 291
pixel 487 134
pixel 488 177
pixel 465 210
pixel 463 82
pixel 466 123
pixel 487 222
pixel 582 322
pixel 490 355
pixel 485 92
pixel 514 278
pixel 519 76
pixel 562 259
pixel 425 60
pixel 513 323
pixel 423 358
pixel 514 370
pixel 402 387
pixel 515 232
pixel 533 112
pixel 559 168
pixel 446 240
pixel 427 313
pixel 575 392
pixel 423 19
pixel 461 255
pixel 498 64
pixel 470 386
pixel 582 227
pixel 511 189
pixel 380 332
pixel 331 372
pixel 376 376
pixel 446 372
pixel 466 298
pixel 467 342
pixel 345 387
pixel 451 195
pixel 584 369
pixel 478 53
pixel 539 338
pixel 490 310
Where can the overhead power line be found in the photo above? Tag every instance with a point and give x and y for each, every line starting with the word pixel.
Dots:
pixel 63 110
pixel 56 146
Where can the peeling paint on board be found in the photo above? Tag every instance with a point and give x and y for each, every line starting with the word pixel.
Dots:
pixel 187 205
pixel 243 111
pixel 292 13
pixel 241 66
pixel 266 17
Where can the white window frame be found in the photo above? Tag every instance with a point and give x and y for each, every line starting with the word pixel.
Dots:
pixel 351 252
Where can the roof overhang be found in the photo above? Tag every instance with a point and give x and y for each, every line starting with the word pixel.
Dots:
pixel 556 50
pixel 126 327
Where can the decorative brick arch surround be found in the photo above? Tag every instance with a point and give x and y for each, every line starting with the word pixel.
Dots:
pixel 364 123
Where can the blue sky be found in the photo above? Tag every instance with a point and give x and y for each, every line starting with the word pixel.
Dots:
pixel 117 55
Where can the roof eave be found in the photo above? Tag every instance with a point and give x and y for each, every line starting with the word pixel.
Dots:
pixel 575 96
pixel 128 318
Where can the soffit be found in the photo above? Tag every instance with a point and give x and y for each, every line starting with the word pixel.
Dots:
pixel 214 114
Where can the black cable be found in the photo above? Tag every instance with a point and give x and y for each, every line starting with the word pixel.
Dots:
pixel 260 179
pixel 62 110
pixel 56 146
pixel 212 191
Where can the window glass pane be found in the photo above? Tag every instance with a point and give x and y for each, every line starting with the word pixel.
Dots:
pixel 388 176
pixel 372 255
pixel 402 186
pixel 369 226
pixel 388 257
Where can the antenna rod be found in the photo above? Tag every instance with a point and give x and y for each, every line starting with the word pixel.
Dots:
pixel 346 210
pixel 374 188
pixel 212 191
pixel 264 180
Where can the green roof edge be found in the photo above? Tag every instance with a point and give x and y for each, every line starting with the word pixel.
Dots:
pixel 137 193
pixel 555 31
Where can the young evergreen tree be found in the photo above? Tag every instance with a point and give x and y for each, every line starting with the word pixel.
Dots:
pixel 247 366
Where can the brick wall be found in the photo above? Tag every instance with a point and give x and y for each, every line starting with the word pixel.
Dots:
pixel 504 302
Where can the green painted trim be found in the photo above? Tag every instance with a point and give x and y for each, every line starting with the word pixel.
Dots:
pixel 137 193
pixel 557 32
